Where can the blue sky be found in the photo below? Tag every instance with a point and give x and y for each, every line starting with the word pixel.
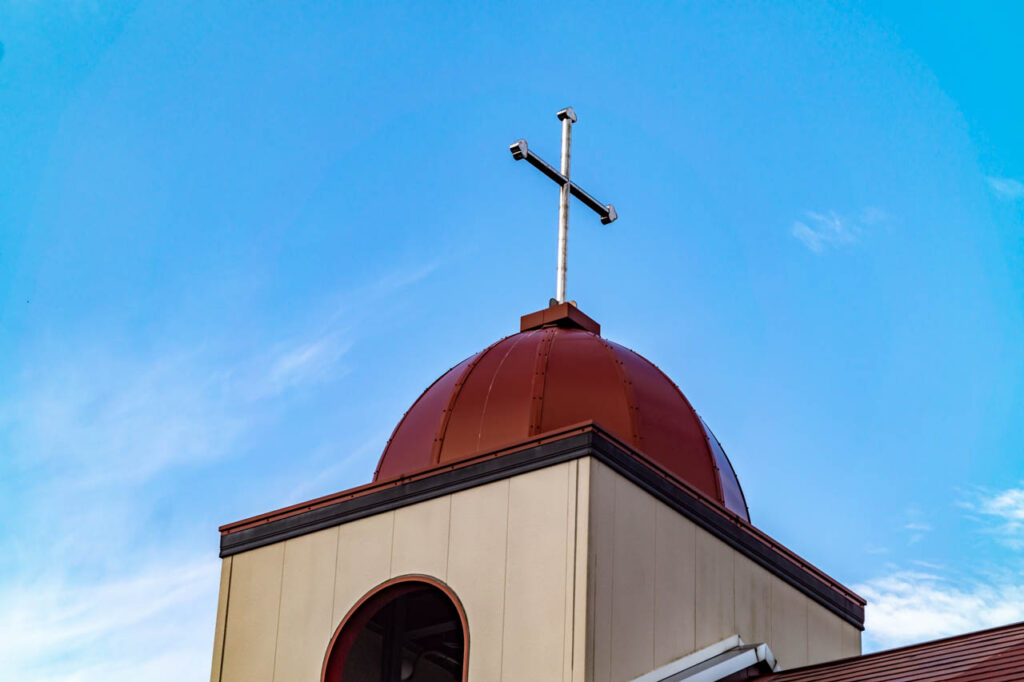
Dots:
pixel 237 240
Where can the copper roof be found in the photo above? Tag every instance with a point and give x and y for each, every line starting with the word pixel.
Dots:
pixel 990 655
pixel 556 372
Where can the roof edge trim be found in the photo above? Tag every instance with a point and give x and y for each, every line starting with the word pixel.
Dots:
pixel 581 440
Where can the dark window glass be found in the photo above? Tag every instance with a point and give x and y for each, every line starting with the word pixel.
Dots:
pixel 407 633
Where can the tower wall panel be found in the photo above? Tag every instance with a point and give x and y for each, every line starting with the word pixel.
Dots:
pixel 507 550
pixel 703 591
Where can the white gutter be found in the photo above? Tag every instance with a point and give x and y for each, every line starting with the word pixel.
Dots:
pixel 714 662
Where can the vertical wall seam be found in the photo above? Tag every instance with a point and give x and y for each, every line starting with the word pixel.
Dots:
pixel 581 571
pixel 654 592
pixel 504 590
pixel 611 598
pixel 391 554
pixel 227 607
pixel 575 550
pixel 735 623
pixel 807 630
pixel 334 585
pixel 448 540
pixel 771 612
pixel 277 626
pixel 735 620
pixel 590 629
pixel 570 565
pixel 696 566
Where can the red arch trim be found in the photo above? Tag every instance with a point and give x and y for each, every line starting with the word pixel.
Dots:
pixel 357 618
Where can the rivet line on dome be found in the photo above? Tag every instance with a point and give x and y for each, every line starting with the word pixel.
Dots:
pixel 438 444
pixel 539 379
pixel 631 406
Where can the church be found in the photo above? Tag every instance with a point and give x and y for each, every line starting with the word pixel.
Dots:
pixel 551 508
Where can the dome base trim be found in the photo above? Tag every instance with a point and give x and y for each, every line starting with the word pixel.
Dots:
pixel 583 440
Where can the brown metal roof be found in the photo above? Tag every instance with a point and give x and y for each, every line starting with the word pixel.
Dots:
pixel 556 372
pixel 990 655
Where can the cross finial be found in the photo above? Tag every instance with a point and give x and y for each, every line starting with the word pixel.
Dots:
pixel 520 150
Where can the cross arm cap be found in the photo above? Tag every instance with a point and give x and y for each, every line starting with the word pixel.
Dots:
pixel 567 113
pixel 518 149
pixel 611 215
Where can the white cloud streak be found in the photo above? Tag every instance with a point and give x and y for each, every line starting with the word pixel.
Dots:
pixel 303 363
pixel 917 530
pixel 155 623
pixel 822 231
pixel 1005 510
pixel 1006 188
pixel 89 441
pixel 106 419
pixel 89 433
pixel 907 607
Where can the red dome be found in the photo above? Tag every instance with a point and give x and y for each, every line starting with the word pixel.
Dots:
pixel 555 373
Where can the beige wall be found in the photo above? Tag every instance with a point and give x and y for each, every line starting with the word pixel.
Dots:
pixel 566 573
pixel 660 587
pixel 507 549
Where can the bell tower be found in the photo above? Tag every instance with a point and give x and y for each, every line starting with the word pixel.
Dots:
pixel 551 508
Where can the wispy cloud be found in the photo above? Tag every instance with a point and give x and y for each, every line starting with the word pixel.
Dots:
pixel 103 440
pixel 295 364
pixel 822 231
pixel 930 565
pixel 1007 188
pixel 907 606
pixel 112 417
pixel 155 623
pixel 917 530
pixel 307 362
pixel 1002 513
pixel 96 436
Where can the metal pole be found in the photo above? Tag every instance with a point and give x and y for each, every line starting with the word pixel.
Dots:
pixel 568 117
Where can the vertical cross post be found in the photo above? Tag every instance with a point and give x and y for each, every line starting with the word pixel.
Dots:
pixel 520 150
pixel 568 117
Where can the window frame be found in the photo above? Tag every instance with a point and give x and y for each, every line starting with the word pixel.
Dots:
pixel 369 605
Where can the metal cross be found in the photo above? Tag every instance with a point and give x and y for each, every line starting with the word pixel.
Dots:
pixel 607 212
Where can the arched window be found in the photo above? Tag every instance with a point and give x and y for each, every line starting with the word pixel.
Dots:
pixel 406 630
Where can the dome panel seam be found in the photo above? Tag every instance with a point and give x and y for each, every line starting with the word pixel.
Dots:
pixel 442 427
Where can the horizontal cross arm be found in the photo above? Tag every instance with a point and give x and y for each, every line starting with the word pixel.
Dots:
pixel 606 211
pixel 520 150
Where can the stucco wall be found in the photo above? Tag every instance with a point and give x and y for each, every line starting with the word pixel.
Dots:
pixel 507 549
pixel 660 588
